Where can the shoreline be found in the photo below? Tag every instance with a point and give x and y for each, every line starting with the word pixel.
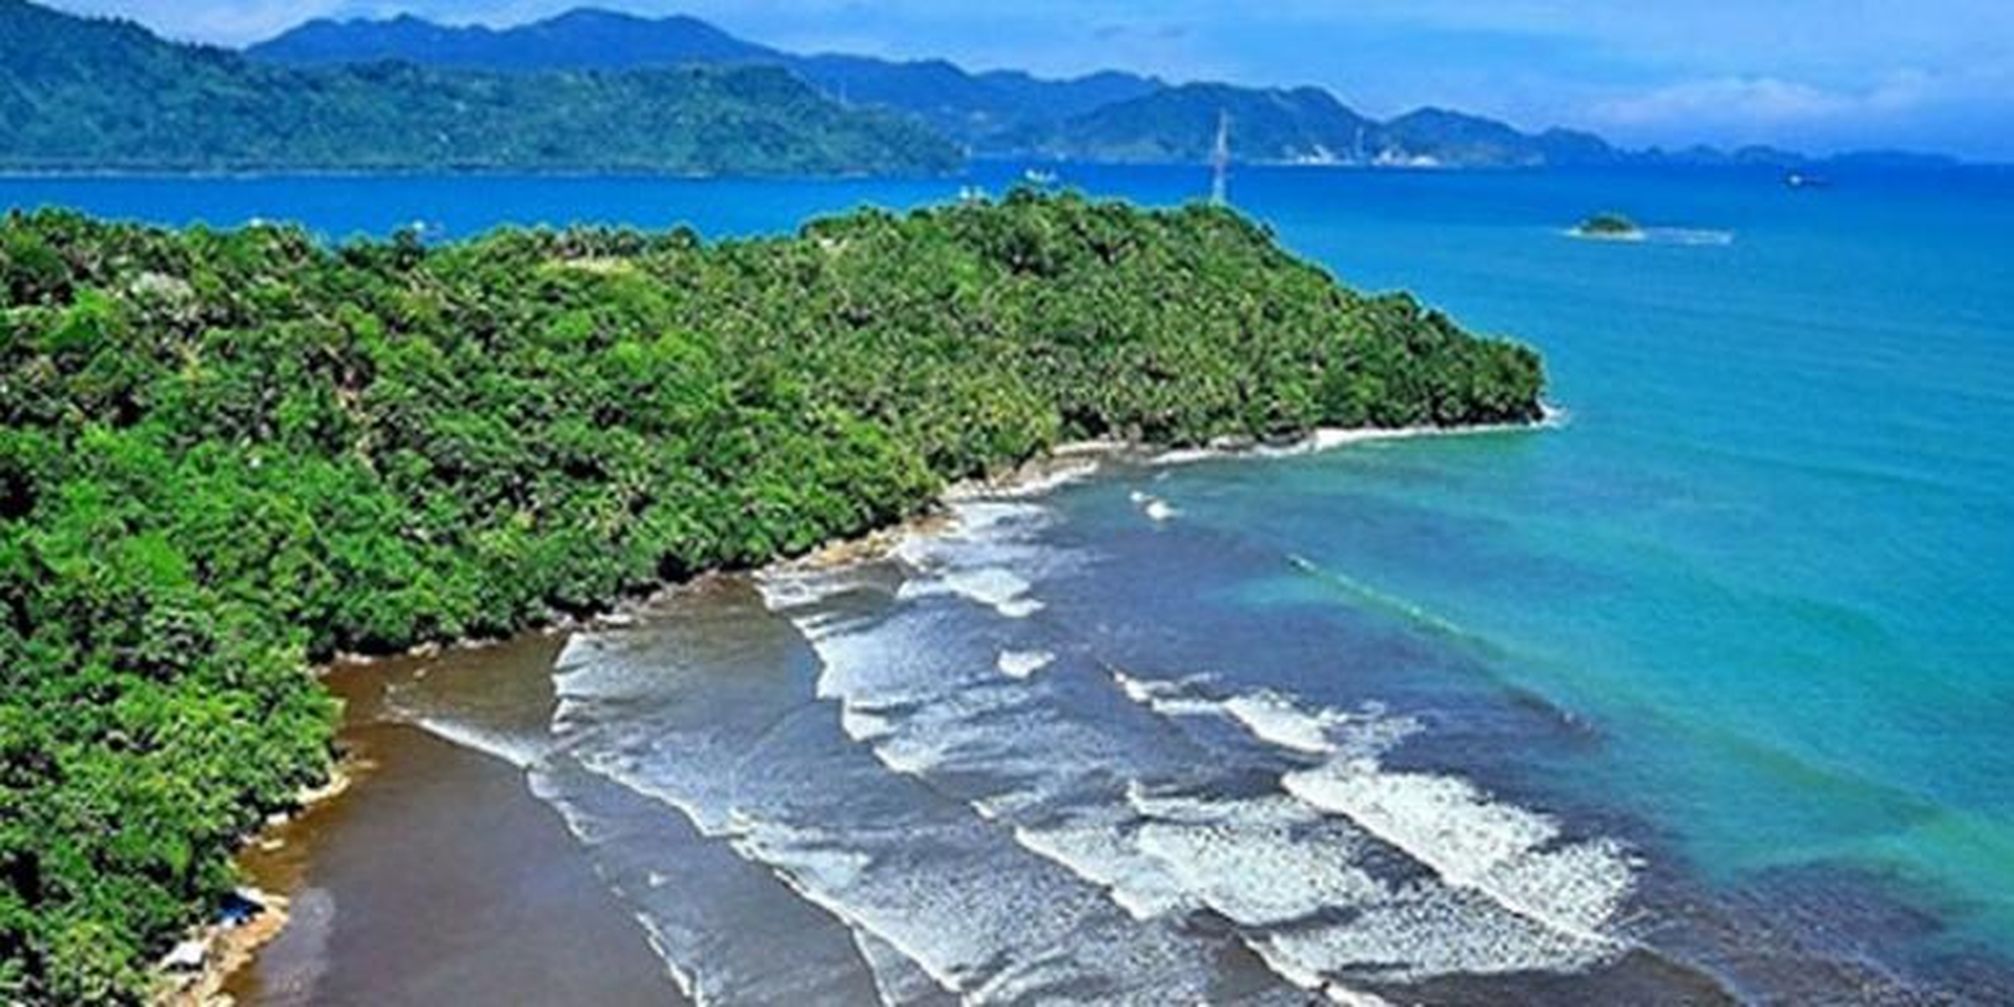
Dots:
pixel 1075 461
pixel 233 951
pixel 228 947
pixel 437 873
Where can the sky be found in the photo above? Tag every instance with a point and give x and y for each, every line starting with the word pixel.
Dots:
pixel 1815 75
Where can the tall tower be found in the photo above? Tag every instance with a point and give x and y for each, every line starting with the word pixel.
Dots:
pixel 1220 162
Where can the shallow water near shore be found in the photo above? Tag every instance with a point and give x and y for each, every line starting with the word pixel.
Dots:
pixel 436 877
pixel 1705 693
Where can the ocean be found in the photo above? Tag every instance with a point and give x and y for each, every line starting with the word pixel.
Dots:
pixel 1702 690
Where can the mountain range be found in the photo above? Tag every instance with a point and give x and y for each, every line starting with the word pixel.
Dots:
pixel 600 90
pixel 963 106
pixel 1109 116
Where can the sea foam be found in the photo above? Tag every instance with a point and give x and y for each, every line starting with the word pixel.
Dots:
pixel 1516 858
pixel 1328 878
pixel 1324 439
pixel 520 752
pixel 983 556
pixel 1024 663
pixel 1513 855
pixel 1001 590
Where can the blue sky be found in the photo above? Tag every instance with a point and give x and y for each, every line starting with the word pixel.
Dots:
pixel 1814 74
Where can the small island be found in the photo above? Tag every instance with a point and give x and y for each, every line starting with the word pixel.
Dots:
pixel 1608 227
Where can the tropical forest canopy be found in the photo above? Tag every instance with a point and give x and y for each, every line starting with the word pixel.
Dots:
pixel 227 454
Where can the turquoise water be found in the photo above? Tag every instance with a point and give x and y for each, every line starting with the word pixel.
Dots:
pixel 1764 572
pixel 1770 554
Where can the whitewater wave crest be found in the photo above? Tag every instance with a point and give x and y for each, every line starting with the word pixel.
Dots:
pixel 1516 857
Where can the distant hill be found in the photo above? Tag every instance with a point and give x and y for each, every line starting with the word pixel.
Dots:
pixel 963 106
pixel 969 108
pixel 1303 125
pixel 1181 124
pixel 1109 116
pixel 1776 157
pixel 583 39
pixel 79 93
pixel 1105 116
pixel 1440 136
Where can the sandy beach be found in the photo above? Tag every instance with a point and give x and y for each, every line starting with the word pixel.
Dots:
pixel 437 877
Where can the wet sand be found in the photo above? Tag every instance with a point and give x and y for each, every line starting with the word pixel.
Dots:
pixel 438 878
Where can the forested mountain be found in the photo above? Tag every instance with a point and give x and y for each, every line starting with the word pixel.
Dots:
pixel 1107 116
pixel 1305 125
pixel 600 90
pixel 225 454
pixel 1102 117
pixel 80 93
pixel 963 106
pixel 1181 124
pixel 1444 137
pixel 582 39
pixel 969 108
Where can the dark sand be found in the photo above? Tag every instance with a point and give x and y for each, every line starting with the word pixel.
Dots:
pixel 437 878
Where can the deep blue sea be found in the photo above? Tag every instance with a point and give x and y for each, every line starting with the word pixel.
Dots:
pixel 1713 676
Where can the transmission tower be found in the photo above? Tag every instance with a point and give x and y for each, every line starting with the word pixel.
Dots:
pixel 1220 162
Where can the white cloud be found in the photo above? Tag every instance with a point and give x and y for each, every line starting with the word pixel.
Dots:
pixel 1955 110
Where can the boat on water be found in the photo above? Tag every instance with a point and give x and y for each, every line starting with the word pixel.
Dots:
pixel 1800 180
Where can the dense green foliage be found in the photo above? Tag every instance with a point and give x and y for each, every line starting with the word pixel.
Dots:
pixel 226 454
pixel 90 94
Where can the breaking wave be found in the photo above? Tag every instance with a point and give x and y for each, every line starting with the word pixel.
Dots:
pixel 1333 874
pixel 1517 858
pixel 893 782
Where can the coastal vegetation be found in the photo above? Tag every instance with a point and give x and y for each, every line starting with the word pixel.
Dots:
pixel 225 455
pixel 98 95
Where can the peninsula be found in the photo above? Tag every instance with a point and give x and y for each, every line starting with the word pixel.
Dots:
pixel 231 454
